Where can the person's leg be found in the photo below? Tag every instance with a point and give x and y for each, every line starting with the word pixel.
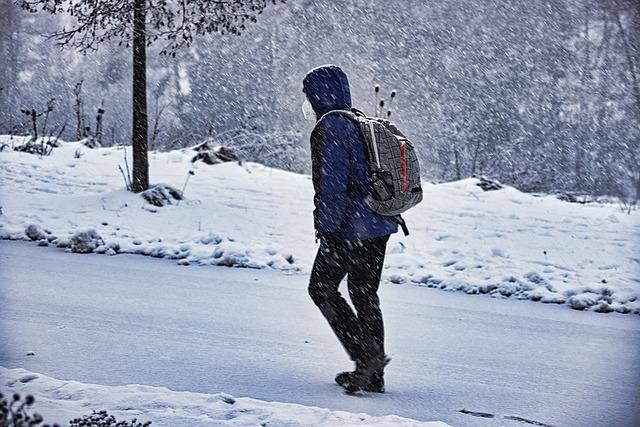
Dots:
pixel 364 273
pixel 329 268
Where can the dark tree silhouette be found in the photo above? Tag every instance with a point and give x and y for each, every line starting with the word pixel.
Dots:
pixel 138 24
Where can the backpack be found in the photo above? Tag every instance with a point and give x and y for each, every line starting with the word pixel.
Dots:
pixel 392 165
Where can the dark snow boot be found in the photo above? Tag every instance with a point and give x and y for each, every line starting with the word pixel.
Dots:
pixel 376 385
pixel 344 377
pixel 364 377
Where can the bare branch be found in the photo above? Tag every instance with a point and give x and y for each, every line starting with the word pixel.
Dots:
pixel 172 22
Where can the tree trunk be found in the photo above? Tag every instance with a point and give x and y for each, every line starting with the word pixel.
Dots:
pixel 584 142
pixel 10 45
pixel 78 106
pixel 140 126
pixel 475 156
pixel 34 124
pixel 98 133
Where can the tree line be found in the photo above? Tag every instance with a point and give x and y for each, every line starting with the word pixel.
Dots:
pixel 540 95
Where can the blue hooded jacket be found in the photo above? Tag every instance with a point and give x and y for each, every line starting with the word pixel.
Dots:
pixel 338 160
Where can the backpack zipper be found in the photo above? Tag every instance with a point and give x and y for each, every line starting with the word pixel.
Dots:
pixel 374 143
pixel 403 164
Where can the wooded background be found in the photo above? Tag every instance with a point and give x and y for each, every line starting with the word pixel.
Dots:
pixel 543 95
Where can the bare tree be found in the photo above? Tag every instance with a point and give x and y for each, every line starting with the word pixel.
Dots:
pixel 10 48
pixel 47 111
pixel 619 52
pixel 98 132
pixel 138 24
pixel 585 80
pixel 159 108
pixel 632 56
pixel 77 93
pixel 630 40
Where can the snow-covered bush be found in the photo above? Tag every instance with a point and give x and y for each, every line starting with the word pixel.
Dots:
pixel 35 232
pixel 103 419
pixel 40 147
pixel 210 239
pixel 584 300
pixel 90 142
pixel 488 184
pixel 15 413
pixel 62 242
pixel 162 195
pixel 213 154
pixel 85 242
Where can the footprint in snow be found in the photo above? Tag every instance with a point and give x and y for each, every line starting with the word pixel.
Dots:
pixel 497 252
pixel 46 190
pixel 442 237
pixel 506 417
pixel 28 378
pixel 458 266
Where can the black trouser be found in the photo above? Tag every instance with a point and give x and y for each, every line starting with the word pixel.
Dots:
pixel 361 333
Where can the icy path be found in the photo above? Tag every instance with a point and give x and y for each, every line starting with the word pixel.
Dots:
pixel 127 319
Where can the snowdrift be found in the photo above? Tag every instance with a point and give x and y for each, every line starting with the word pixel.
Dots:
pixel 504 243
pixel 60 401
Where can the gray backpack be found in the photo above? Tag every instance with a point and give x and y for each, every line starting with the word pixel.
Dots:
pixel 392 164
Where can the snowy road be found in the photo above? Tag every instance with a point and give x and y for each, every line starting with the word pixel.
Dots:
pixel 131 319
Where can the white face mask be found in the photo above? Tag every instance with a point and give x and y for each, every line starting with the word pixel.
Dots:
pixel 307 110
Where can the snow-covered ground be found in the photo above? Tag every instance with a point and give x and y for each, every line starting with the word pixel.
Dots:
pixel 60 401
pixel 502 243
pixel 256 333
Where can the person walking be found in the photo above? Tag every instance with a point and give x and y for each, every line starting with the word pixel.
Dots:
pixel 352 237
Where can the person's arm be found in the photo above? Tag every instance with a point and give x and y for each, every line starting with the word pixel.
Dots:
pixel 330 164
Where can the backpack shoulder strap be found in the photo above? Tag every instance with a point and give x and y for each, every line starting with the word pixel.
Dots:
pixel 350 115
pixel 360 119
pixel 355 116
